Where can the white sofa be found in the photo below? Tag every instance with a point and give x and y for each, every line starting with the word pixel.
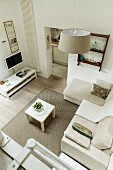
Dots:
pixel 88 114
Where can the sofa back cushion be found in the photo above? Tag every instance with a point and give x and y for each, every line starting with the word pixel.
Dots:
pixel 110 96
pixel 109 151
pixel 101 88
pixel 103 135
pixel 99 91
pixel 104 84
pixel 107 108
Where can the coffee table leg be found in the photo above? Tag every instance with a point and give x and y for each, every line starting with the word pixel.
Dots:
pixel 54 113
pixel 29 118
pixel 42 127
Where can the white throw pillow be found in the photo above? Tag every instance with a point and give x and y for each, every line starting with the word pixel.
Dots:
pixel 104 84
pixel 103 135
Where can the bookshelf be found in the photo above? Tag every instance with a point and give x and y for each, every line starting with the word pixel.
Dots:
pixel 95 56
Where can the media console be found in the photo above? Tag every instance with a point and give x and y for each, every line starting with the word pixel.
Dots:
pixel 15 82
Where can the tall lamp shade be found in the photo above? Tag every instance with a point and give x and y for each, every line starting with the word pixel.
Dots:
pixel 74 41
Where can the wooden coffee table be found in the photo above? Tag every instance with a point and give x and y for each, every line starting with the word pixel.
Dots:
pixel 42 115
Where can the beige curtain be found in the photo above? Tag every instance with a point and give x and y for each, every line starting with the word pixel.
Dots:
pixel 30 33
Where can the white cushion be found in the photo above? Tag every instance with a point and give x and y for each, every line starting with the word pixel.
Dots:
pixel 109 151
pixel 95 112
pixel 102 138
pixel 107 109
pixel 75 136
pixel 90 111
pixel 85 122
pixel 80 90
pixel 104 84
pixel 110 95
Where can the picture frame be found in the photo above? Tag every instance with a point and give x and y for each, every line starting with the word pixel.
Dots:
pixel 11 36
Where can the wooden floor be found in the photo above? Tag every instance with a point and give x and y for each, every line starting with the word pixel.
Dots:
pixel 10 107
pixel 59 70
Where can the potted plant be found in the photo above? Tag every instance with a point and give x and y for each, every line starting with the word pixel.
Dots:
pixel 38 106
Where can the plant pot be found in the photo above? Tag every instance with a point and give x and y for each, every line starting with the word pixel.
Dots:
pixel 38 106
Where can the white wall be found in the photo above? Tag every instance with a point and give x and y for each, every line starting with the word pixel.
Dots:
pixel 9 10
pixel 86 72
pixel 50 14
pixel 95 16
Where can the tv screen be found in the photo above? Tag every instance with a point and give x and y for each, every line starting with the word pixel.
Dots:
pixel 13 60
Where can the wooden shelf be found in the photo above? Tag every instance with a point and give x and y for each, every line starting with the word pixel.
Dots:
pixel 92 63
pixel 83 57
pixel 97 51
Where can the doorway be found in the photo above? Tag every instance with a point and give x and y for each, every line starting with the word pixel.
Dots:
pixel 59 58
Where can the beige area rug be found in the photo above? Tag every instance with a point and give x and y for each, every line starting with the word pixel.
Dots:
pixel 21 130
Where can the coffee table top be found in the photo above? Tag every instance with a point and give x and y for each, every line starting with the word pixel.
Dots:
pixel 43 114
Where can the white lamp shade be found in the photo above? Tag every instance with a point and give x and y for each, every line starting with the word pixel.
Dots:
pixel 74 41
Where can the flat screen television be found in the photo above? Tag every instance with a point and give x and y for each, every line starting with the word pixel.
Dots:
pixel 13 60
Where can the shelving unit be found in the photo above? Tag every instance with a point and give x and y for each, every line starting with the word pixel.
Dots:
pixel 98 47
pixel 14 83
pixel 92 63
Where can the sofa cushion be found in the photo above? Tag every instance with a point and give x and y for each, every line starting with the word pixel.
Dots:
pixel 102 138
pixel 75 136
pixel 93 112
pixel 110 96
pixel 85 122
pixel 78 90
pixel 99 91
pixel 104 84
pixel 109 151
